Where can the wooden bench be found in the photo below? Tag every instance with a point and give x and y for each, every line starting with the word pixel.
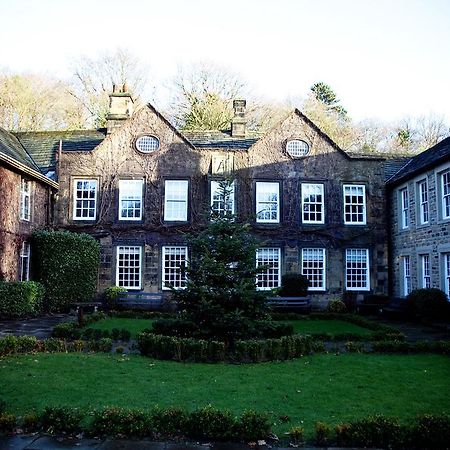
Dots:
pixel 80 306
pixel 298 303
pixel 140 300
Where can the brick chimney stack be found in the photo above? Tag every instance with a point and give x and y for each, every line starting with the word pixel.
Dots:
pixel 120 107
pixel 239 123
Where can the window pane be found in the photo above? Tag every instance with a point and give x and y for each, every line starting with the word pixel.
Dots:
pixel 313 267
pixel 130 199
pixel 175 205
pixel 354 204
pixel 128 270
pixel 222 198
pixel 312 203
pixel 357 269
pixel 174 263
pixel 85 199
pixel 271 276
pixel 267 202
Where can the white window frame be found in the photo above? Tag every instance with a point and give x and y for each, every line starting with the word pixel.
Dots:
pixel 297 148
pixel 404 208
pixel 171 273
pixel 131 251
pixel 264 191
pixel 133 196
pixel 314 268
pixel 424 210
pixel 76 198
pixel 25 199
pixel 425 272
pixel 446 273
pixel 309 193
pixel 352 207
pixel 24 266
pixel 221 207
pixel 406 275
pixel 271 277
pixel 176 200
pixel 359 268
pixel 445 194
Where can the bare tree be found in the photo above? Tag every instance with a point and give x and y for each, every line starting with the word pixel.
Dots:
pixel 94 78
pixel 202 96
pixel 36 102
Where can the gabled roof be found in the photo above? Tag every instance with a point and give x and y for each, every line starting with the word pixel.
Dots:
pixel 10 146
pixel 428 159
pixel 15 155
pixel 43 145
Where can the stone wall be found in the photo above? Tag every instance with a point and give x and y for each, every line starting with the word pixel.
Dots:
pixel 116 158
pixel 431 239
pixel 14 231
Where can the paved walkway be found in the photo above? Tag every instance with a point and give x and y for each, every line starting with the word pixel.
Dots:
pixel 417 332
pixel 53 443
pixel 41 327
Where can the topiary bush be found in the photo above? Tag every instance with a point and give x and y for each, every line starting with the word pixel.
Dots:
pixel 66 264
pixel 294 285
pixel 428 304
pixel 20 299
pixel 111 294
pixel 336 306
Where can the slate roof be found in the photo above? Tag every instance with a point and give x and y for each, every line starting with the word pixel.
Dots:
pixel 435 155
pixel 393 165
pixel 43 145
pixel 10 146
pixel 219 140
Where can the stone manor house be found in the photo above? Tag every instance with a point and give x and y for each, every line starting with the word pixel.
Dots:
pixel 351 223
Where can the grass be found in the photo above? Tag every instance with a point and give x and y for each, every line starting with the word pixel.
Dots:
pixel 333 327
pixel 326 388
pixel 135 326
pixel 318 326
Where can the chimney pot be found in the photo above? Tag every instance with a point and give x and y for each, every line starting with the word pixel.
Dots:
pixel 238 123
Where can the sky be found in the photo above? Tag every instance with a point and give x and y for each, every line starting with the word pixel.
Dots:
pixel 385 59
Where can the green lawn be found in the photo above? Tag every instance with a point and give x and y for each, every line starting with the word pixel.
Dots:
pixel 321 387
pixel 135 326
pixel 318 326
pixel 333 327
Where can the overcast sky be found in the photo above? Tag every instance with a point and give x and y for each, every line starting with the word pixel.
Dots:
pixel 385 59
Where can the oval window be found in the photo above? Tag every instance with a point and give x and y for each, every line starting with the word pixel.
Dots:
pixel 297 148
pixel 147 144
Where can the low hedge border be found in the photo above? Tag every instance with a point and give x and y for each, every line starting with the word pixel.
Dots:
pixel 71 331
pixel 207 423
pixel 11 345
pixel 198 350
pixel 19 299
pixel 212 424
pixel 135 314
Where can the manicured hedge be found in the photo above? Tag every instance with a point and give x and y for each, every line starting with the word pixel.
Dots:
pixel 67 265
pixel 188 349
pixel 11 345
pixel 20 299
pixel 207 423
pixel 211 424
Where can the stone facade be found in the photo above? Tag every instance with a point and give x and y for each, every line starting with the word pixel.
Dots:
pixel 14 228
pixel 420 245
pixel 264 161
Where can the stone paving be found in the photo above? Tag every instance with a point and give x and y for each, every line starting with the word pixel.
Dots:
pixel 41 327
pixel 37 442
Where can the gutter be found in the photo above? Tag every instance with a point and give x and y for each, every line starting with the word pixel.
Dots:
pixel 24 168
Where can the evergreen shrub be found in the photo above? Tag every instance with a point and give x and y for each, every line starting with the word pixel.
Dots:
pixel 428 304
pixel 66 264
pixel 20 299
pixel 294 285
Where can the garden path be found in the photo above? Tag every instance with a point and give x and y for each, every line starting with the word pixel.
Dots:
pixel 41 327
